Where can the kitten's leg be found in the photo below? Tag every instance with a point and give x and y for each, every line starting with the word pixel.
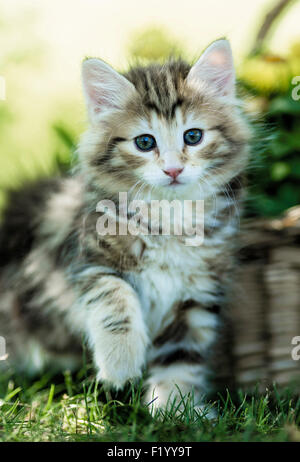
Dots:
pixel 178 361
pixel 115 329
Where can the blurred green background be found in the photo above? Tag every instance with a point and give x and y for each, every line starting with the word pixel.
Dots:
pixel 43 114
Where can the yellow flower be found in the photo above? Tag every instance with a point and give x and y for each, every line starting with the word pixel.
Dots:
pixel 267 73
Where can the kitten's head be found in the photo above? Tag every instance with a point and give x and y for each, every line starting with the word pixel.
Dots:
pixel 167 130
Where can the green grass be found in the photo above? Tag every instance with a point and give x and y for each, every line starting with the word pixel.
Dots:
pixel 75 408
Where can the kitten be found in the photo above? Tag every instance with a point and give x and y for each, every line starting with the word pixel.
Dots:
pixel 167 131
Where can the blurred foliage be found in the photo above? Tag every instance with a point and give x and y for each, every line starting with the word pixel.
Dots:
pixel 34 141
pixel 154 44
pixel 274 175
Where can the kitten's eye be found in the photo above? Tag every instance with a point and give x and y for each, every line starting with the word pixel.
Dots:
pixel 192 136
pixel 145 142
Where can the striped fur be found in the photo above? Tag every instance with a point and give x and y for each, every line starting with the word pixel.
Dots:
pixel 138 300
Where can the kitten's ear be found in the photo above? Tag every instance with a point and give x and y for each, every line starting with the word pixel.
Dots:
pixel 103 87
pixel 215 68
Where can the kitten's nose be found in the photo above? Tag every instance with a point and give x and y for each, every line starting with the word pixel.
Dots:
pixel 173 172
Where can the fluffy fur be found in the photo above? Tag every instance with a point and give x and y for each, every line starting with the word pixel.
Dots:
pixel 139 300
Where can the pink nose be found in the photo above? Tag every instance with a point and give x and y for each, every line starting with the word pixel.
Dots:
pixel 173 172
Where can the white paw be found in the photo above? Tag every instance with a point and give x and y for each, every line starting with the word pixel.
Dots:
pixel 167 398
pixel 206 411
pixel 121 359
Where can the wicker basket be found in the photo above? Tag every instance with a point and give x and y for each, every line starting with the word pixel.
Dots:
pixel 265 308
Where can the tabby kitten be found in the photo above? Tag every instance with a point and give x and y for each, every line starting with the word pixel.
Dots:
pixel 167 131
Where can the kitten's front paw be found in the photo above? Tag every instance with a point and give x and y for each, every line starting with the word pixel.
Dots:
pixel 121 359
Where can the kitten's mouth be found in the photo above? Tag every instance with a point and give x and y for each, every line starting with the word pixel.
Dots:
pixel 175 183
